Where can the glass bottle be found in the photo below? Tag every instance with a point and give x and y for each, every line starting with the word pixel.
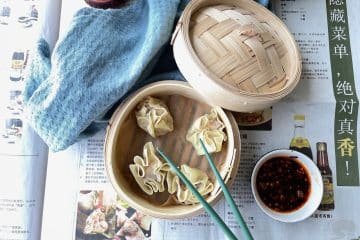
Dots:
pixel 17 64
pixel 299 142
pixel 327 202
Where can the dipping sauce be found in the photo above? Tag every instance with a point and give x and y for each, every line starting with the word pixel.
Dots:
pixel 283 184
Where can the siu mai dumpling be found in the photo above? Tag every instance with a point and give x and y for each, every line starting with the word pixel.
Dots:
pixel 130 231
pixel 147 171
pixel 208 128
pixel 153 116
pixel 197 177
pixel 96 222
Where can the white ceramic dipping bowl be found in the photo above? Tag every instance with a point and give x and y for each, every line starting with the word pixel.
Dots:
pixel 316 189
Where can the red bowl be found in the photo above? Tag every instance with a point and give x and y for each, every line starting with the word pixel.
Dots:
pixel 105 3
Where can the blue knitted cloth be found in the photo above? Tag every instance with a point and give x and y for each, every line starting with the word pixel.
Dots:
pixel 103 55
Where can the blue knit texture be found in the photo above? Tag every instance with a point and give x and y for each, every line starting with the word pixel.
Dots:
pixel 103 55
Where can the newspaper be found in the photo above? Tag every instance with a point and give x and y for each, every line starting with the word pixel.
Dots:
pixel 71 200
pixel 73 182
pixel 23 163
pixel 314 98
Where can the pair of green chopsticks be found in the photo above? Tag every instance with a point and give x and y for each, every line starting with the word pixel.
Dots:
pixel 206 205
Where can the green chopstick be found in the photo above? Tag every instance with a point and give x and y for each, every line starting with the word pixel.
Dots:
pixel 244 229
pixel 203 202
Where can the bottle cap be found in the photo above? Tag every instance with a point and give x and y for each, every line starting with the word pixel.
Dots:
pixel 321 146
pixel 299 117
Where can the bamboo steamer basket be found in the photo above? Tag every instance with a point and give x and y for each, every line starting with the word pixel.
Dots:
pixel 236 53
pixel 124 139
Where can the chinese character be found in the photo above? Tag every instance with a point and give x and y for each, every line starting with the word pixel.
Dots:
pixel 339 33
pixel 344 88
pixel 346 146
pixel 347 106
pixel 345 127
pixel 337 15
pixel 340 50
pixel 336 2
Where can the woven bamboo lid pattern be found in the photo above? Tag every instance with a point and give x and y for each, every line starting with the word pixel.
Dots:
pixel 236 53
pixel 239 48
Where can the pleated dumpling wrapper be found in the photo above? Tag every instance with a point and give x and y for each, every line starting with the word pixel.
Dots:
pixel 153 116
pixel 148 170
pixel 209 128
pixel 197 177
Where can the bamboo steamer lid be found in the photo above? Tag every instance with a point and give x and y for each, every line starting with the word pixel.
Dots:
pixel 237 54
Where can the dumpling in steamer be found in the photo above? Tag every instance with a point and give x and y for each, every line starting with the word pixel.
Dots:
pixel 153 116
pixel 147 171
pixel 208 128
pixel 197 177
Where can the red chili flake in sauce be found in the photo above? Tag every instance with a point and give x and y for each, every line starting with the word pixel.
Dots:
pixel 283 184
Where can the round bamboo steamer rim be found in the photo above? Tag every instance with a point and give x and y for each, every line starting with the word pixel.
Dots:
pixel 120 182
pixel 216 90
